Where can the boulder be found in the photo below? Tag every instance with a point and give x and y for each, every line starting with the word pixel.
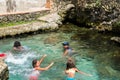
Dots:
pixel 116 39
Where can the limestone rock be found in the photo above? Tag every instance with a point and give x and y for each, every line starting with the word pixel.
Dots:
pixel 116 39
pixel 4 73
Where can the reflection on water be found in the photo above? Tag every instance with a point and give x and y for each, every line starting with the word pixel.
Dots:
pixel 92 50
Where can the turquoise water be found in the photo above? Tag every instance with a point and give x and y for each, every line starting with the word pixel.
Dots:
pixel 19 63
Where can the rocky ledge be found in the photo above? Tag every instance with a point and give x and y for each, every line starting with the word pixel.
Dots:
pixel 26 28
pixel 116 39
pixel 4 73
pixel 47 22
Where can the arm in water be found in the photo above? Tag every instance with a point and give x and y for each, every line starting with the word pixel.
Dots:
pixel 46 68
pixel 83 72
pixel 65 53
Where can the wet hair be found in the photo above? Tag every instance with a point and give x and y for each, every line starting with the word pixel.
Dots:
pixel 70 64
pixel 65 43
pixel 17 44
pixel 34 62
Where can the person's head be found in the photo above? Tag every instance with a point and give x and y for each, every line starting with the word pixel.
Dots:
pixel 65 44
pixel 35 63
pixel 17 44
pixel 70 64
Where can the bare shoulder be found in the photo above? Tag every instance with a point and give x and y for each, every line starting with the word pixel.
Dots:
pixel 76 69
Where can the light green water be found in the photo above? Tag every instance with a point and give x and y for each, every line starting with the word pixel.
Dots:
pixel 19 63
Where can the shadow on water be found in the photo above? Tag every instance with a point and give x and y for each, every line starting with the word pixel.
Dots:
pixel 96 54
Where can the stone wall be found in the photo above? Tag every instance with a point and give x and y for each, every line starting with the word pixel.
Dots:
pixel 8 6
pixel 58 5
pixel 101 15
pixel 23 16
pixel 98 14
pixel 61 7
pixel 4 73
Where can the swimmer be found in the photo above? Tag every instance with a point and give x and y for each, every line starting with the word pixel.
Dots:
pixel 37 69
pixel 71 70
pixel 67 50
pixel 17 46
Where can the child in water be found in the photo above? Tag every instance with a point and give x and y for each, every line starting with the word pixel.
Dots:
pixel 71 69
pixel 67 50
pixel 36 68
pixel 17 46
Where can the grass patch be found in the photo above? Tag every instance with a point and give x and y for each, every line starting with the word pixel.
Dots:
pixel 14 23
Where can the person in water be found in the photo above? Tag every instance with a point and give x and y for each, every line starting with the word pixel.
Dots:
pixel 17 46
pixel 71 69
pixel 37 69
pixel 67 50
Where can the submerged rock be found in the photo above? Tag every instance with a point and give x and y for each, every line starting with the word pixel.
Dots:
pixel 52 39
pixel 110 70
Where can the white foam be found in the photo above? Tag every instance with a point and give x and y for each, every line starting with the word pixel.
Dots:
pixel 21 59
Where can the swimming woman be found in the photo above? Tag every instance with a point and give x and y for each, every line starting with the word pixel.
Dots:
pixel 67 50
pixel 71 70
pixel 17 46
pixel 36 68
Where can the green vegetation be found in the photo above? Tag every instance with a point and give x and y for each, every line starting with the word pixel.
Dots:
pixel 14 23
pixel 98 2
pixel 116 24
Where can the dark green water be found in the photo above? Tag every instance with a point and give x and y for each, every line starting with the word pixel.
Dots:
pixel 94 52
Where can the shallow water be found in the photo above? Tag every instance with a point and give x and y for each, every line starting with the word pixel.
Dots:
pixel 19 63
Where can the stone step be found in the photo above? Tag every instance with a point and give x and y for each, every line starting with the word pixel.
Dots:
pixel 52 17
pixel 23 16
pixel 26 28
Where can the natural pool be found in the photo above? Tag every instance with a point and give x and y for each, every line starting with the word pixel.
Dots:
pixel 92 50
